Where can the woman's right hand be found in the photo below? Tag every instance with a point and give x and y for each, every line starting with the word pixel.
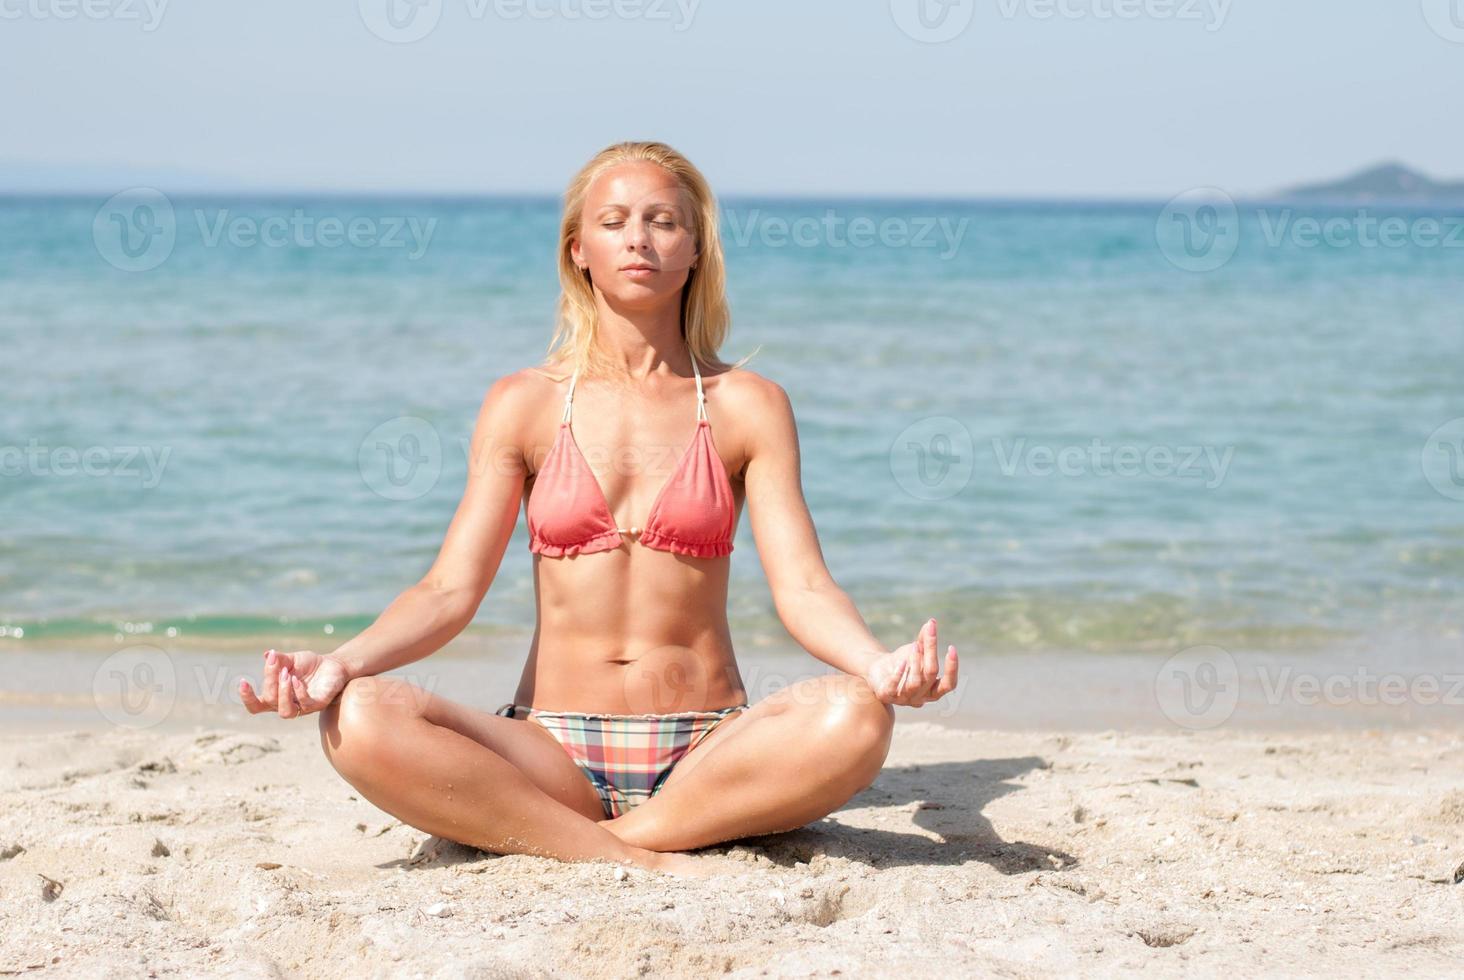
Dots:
pixel 295 683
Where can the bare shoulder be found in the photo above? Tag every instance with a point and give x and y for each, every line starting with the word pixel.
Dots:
pixel 508 393
pixel 521 390
pixel 515 402
pixel 753 397
pixel 762 414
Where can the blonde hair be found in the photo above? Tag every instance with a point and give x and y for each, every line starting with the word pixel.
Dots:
pixel 705 316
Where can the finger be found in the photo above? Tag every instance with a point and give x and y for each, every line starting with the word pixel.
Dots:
pixel 302 696
pixel 952 667
pixel 269 687
pixel 907 677
pixel 937 681
pixel 931 662
pixel 250 700
pixel 287 696
pixel 918 677
pixel 296 685
pixel 922 650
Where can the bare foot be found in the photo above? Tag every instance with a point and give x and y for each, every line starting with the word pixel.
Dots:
pixel 685 865
pixel 676 863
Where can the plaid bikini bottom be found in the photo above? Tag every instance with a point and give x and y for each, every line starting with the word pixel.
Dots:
pixel 626 757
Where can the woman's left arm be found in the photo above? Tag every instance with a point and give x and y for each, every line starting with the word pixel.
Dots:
pixel 811 605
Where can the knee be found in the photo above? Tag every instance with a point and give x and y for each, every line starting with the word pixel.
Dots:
pixel 355 729
pixel 859 720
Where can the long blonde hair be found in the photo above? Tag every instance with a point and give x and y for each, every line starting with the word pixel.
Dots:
pixel 705 316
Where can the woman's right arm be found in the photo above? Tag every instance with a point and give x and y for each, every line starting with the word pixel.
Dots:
pixel 427 615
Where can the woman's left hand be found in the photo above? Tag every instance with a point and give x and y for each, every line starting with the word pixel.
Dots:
pixel 910 675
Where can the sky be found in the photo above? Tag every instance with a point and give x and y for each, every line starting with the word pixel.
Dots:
pixel 1134 99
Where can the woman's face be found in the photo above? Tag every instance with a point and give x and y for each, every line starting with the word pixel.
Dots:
pixel 636 236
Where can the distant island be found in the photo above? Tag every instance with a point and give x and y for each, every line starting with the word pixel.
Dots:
pixel 1388 182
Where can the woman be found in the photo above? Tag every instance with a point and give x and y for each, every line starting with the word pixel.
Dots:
pixel 629 737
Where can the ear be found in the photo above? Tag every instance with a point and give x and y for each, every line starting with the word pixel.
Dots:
pixel 575 253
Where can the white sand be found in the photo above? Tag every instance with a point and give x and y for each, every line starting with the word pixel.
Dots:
pixel 1005 853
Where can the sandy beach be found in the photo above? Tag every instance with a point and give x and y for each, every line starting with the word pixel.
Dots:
pixel 238 851
pixel 566 352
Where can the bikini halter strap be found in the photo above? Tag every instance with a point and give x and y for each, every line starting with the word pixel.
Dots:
pixel 569 397
pixel 701 395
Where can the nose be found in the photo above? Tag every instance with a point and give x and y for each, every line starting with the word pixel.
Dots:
pixel 636 238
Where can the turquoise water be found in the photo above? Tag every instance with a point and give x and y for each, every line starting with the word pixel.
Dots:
pixel 1290 489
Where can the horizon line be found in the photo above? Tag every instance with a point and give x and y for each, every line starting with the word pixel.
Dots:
pixel 215 194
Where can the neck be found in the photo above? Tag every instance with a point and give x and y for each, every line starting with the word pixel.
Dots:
pixel 640 342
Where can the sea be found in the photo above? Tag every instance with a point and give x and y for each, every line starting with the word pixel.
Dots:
pixel 1068 430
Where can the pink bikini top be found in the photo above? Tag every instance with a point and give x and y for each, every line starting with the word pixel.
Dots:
pixel 693 514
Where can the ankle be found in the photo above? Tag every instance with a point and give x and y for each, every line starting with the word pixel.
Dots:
pixel 634 833
pixel 637 857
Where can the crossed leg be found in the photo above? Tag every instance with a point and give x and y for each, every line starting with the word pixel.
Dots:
pixel 499 784
pixel 795 756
